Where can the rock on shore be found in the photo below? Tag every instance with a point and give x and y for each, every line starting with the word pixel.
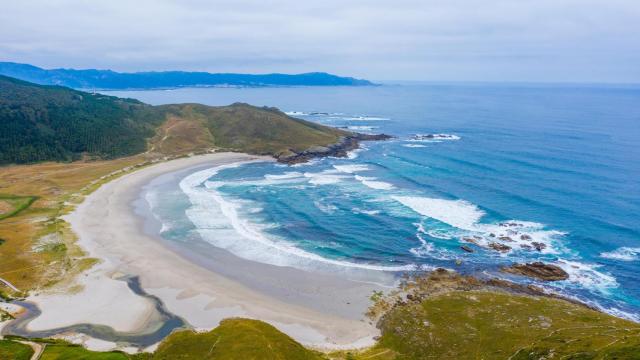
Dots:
pixel 537 270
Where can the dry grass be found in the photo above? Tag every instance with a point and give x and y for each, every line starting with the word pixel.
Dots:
pixel 58 186
pixel 180 136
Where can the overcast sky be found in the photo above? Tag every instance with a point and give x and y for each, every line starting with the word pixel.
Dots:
pixel 483 40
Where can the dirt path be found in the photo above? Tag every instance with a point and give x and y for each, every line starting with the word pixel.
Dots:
pixel 10 285
pixel 38 349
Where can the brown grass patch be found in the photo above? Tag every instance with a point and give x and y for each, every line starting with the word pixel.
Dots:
pixel 58 186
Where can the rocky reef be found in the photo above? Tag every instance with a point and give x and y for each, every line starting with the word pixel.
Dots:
pixel 537 270
pixel 339 149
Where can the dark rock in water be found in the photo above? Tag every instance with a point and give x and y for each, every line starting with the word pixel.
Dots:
pixel 526 246
pixel 470 240
pixel 419 137
pixel 499 247
pixel 505 238
pixel 537 270
pixel 339 149
pixel 492 235
pixel 466 248
pixel 525 237
pixel 539 246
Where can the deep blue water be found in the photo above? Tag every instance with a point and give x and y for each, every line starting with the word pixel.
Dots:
pixel 551 164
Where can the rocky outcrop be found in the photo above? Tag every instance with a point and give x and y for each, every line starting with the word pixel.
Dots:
pixel 539 246
pixel 537 270
pixel 500 247
pixel 466 248
pixel 339 149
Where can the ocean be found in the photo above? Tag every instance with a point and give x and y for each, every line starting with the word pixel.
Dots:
pixel 551 171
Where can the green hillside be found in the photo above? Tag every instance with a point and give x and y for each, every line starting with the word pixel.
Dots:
pixel 264 131
pixel 40 123
pixel 233 339
pixel 240 339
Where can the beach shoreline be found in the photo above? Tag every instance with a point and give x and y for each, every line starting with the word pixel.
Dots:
pixel 109 228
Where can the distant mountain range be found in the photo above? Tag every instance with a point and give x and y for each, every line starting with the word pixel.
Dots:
pixel 111 80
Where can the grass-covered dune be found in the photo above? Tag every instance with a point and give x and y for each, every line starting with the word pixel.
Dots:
pixel 42 123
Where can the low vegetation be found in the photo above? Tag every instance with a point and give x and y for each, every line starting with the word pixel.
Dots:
pixel 240 339
pixel 39 248
pixel 244 128
pixel 14 350
pixel 75 352
pixel 447 316
pixel 11 205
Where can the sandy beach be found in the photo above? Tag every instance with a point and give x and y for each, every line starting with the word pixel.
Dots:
pixel 318 310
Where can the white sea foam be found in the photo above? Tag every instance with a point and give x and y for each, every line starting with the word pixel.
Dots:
pixel 428 249
pixel 296 113
pixel 350 169
pixel 425 248
pixel 286 175
pixel 219 222
pixel 414 146
pixel 326 177
pixel 362 128
pixel 325 208
pixel 353 154
pixel 465 218
pixel 588 275
pixel 365 118
pixel 457 213
pixel 434 137
pixel 371 182
pixel 365 211
pixel 152 198
pixel 623 254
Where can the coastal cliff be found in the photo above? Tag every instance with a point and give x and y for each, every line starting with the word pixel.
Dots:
pixel 340 149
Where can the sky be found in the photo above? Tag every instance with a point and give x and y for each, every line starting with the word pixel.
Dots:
pixel 432 40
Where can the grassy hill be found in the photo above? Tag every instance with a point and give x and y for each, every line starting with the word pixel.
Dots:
pixel 40 123
pixel 447 316
pixel 242 127
pixel 240 339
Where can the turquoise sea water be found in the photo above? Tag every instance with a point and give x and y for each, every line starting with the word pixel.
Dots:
pixel 557 165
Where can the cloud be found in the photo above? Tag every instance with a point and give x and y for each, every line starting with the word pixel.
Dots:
pixel 559 40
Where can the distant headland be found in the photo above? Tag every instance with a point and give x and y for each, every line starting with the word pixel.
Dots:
pixel 111 80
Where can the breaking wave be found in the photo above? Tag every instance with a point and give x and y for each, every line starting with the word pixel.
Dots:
pixel 219 221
